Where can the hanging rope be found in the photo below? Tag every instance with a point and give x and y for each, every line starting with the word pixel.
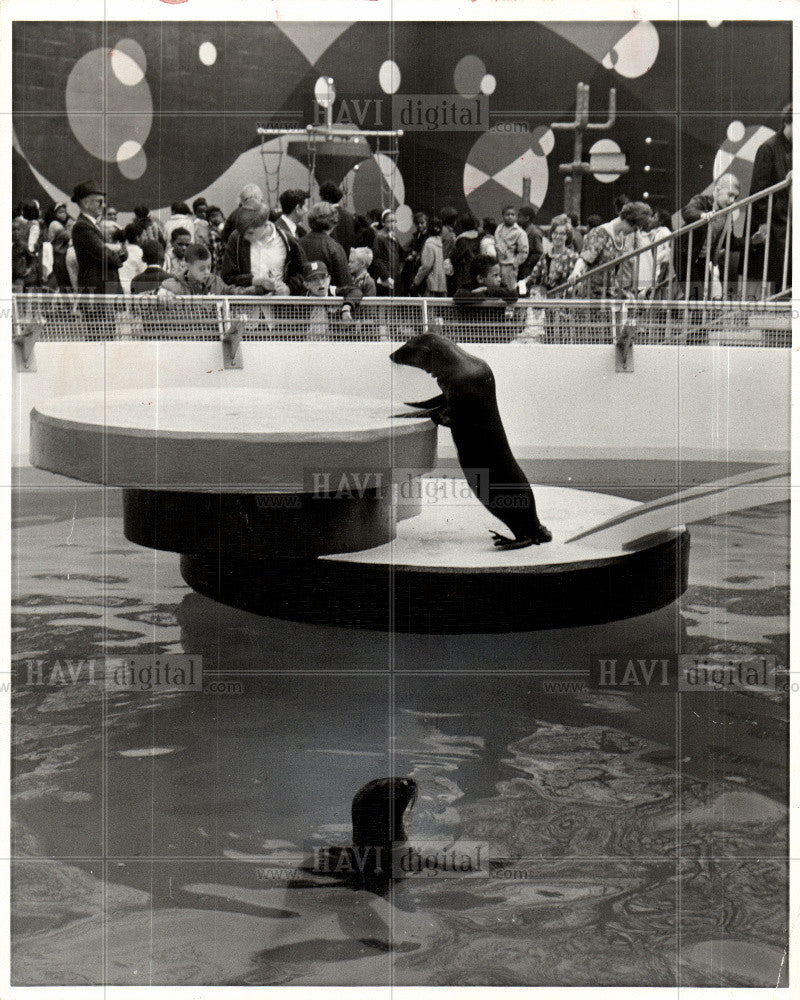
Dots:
pixel 272 160
pixel 312 163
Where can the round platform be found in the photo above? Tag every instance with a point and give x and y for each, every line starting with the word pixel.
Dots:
pixel 225 440
pixel 443 574
pixel 262 525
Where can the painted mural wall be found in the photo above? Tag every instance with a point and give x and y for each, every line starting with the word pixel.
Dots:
pixel 165 112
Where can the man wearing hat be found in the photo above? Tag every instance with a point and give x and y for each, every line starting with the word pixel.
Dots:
pixel 317 283
pixel 319 244
pixel 98 263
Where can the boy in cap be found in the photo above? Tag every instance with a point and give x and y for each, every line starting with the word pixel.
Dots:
pixel 317 282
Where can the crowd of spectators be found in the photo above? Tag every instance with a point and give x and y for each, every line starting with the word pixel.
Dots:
pixel 259 251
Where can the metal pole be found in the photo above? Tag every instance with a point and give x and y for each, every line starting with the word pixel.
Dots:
pixel 766 249
pixel 748 221
pixel 689 265
pixel 786 248
pixel 728 231
pixel 685 325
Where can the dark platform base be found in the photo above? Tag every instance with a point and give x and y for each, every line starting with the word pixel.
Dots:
pixel 258 525
pixel 441 600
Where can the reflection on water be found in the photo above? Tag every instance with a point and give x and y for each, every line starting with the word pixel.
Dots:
pixel 637 838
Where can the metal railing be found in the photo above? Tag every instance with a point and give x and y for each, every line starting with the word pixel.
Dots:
pixel 54 317
pixel 714 285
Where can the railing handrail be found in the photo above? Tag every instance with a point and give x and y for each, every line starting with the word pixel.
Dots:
pixel 689 227
pixel 372 300
pixel 232 301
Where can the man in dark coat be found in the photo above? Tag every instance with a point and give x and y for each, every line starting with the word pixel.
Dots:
pixel 772 164
pixel 98 264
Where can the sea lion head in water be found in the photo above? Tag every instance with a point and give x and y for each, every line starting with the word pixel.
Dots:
pixel 468 406
pixel 379 812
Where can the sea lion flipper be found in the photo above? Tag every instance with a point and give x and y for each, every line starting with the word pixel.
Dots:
pixel 428 404
pixel 439 415
pixel 542 534
pixel 501 542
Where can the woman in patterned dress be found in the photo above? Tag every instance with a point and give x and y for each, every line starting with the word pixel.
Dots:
pixel 605 243
pixel 555 265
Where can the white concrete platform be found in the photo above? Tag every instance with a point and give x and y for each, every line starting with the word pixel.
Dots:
pixel 454 533
pixel 223 439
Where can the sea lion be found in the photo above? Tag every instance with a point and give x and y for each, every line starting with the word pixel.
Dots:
pixel 468 406
pixel 378 812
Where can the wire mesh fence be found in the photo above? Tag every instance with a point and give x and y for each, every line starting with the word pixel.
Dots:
pixel 82 317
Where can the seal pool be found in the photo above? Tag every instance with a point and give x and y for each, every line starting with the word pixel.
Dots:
pixel 604 809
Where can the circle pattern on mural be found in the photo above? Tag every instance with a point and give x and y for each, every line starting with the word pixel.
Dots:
pixel 389 77
pixel 736 131
pixel 104 112
pixel 713 24
pixel 128 62
pixel 606 146
pixel 634 54
pixel 543 138
pixel 207 53
pixel 468 76
pixel 505 167
pixel 324 91
pixel 488 85
pixel 405 218
pixel 131 160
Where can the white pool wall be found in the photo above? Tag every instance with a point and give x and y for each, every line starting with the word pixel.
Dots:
pixel 719 404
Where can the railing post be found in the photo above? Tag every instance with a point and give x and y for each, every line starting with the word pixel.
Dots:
pixel 707 269
pixel 726 269
pixel 766 250
pixel 748 222
pixel 788 242
pixel 424 314
pixel 687 289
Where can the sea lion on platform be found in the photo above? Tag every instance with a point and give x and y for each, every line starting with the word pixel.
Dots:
pixel 468 406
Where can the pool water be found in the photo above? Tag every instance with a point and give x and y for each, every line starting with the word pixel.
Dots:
pixel 636 836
